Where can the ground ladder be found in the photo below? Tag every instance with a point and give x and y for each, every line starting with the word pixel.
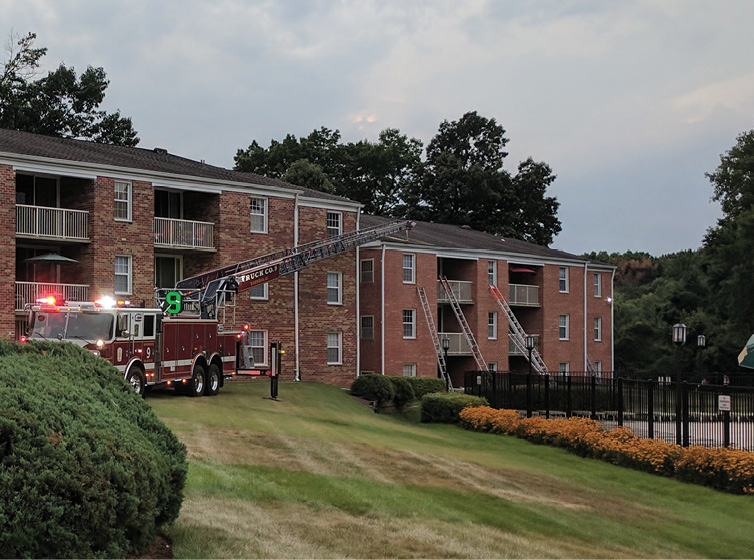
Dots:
pixel 517 333
pixel 433 335
pixel 464 324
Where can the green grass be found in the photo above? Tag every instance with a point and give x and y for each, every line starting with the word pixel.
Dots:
pixel 320 475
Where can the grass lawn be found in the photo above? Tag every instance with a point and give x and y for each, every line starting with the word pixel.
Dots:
pixel 319 475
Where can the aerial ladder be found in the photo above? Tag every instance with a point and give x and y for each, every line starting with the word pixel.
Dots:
pixel 517 333
pixel 434 336
pixel 210 290
pixel 465 329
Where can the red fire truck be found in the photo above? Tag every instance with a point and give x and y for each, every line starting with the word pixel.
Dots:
pixel 180 341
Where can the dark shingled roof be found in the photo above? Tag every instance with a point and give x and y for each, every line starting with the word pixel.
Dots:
pixel 25 143
pixel 462 237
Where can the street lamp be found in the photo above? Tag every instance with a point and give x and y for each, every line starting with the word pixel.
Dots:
pixel 445 348
pixel 701 341
pixel 530 341
pixel 679 338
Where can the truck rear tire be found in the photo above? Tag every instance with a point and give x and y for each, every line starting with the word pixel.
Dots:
pixel 136 379
pixel 213 381
pixel 198 379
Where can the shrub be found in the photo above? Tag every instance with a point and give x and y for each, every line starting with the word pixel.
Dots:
pixel 425 385
pixel 446 407
pixel 86 468
pixel 373 387
pixel 403 391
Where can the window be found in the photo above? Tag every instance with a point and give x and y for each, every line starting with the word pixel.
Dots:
pixel 598 329
pixel 168 204
pixel 367 327
pixel 334 224
pixel 492 273
pixel 259 215
pixel 563 327
pixel 597 284
pixel 334 341
pixel 598 369
pixel 259 291
pixel 123 201
pixel 36 191
pixel 563 279
pixel 122 274
pixel 367 271
pixel 409 276
pixel 564 367
pixel 492 366
pixel 167 271
pixel 409 370
pixel 258 343
pixel 409 323
pixel 492 325
pixel 333 288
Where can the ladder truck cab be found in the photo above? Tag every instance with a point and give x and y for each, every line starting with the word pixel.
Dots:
pixel 182 340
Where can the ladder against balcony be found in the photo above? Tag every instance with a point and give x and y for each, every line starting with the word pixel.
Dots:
pixel 439 352
pixel 464 324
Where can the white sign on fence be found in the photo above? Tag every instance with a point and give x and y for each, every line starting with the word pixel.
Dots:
pixel 723 403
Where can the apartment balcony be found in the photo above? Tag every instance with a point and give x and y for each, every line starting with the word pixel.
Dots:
pixel 30 292
pixel 170 233
pixel 523 295
pixel 461 291
pixel 59 224
pixel 458 344
pixel 513 350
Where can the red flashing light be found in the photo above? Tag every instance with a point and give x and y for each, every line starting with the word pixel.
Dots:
pixel 47 300
pixel 246 326
pixel 22 340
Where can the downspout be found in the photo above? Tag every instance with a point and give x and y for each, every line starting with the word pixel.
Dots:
pixel 295 293
pixel 358 303
pixel 382 310
pixel 586 356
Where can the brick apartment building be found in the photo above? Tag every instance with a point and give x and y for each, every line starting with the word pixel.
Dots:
pixel 562 299
pixel 132 219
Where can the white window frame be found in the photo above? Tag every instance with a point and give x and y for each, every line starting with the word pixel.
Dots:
pixel 598 369
pixel 564 323
pixel 367 328
pixel 564 367
pixel 253 337
pixel 367 273
pixel 409 370
pixel 120 272
pixel 409 326
pixel 259 292
pixel 119 200
pixel 492 325
pixel 335 342
pixel 492 273
pixel 334 222
pixel 258 207
pixel 563 280
pixel 409 278
pixel 492 366
pixel 334 288
pixel 598 329
pixel 597 285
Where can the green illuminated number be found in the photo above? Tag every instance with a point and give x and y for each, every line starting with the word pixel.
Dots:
pixel 174 302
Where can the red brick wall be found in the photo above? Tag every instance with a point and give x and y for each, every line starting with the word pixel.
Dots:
pixel 599 307
pixel 8 255
pixel 370 296
pixel 555 303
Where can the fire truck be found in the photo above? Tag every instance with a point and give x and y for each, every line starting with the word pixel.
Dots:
pixel 181 341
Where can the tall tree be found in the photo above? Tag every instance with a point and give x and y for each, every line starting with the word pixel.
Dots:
pixel 59 104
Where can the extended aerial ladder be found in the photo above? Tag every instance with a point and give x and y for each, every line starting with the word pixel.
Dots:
pixel 465 329
pixel 517 333
pixel 433 335
pixel 211 289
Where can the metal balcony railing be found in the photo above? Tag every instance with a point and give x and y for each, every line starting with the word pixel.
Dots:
pixel 458 344
pixel 514 351
pixel 183 234
pixel 461 290
pixel 55 223
pixel 29 292
pixel 523 294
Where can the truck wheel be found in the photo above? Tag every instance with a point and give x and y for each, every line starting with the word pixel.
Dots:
pixel 197 381
pixel 135 378
pixel 213 381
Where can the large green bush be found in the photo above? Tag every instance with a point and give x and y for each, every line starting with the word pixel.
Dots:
pixel 86 468
pixel 425 385
pixel 373 387
pixel 445 407
pixel 404 391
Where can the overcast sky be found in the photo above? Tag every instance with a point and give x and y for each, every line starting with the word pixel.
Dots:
pixel 629 102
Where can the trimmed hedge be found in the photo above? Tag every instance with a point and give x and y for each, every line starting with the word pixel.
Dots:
pixel 86 468
pixel 425 385
pixel 373 387
pixel 403 391
pixel 445 407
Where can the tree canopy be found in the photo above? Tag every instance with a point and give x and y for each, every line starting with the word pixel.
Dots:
pixel 460 181
pixel 60 104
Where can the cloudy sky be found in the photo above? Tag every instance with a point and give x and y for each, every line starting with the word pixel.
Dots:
pixel 630 102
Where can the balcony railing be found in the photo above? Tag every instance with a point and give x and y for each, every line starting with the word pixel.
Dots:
pixel 523 294
pixel 183 234
pixel 461 290
pixel 458 344
pixel 514 351
pixel 55 223
pixel 29 292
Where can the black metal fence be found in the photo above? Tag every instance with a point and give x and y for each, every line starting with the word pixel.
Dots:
pixel 685 413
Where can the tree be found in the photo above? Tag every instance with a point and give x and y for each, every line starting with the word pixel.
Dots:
pixel 733 180
pixel 59 104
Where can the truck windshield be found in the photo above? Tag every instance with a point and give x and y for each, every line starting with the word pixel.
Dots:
pixel 73 325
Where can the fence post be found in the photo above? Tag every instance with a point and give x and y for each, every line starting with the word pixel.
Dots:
pixel 650 409
pixel 594 397
pixel 685 411
pixel 620 401
pixel 726 423
pixel 528 396
pixel 547 396
pixel 678 401
pixel 568 410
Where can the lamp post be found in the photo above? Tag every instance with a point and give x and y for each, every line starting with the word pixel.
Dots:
pixel 445 348
pixel 529 341
pixel 679 338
